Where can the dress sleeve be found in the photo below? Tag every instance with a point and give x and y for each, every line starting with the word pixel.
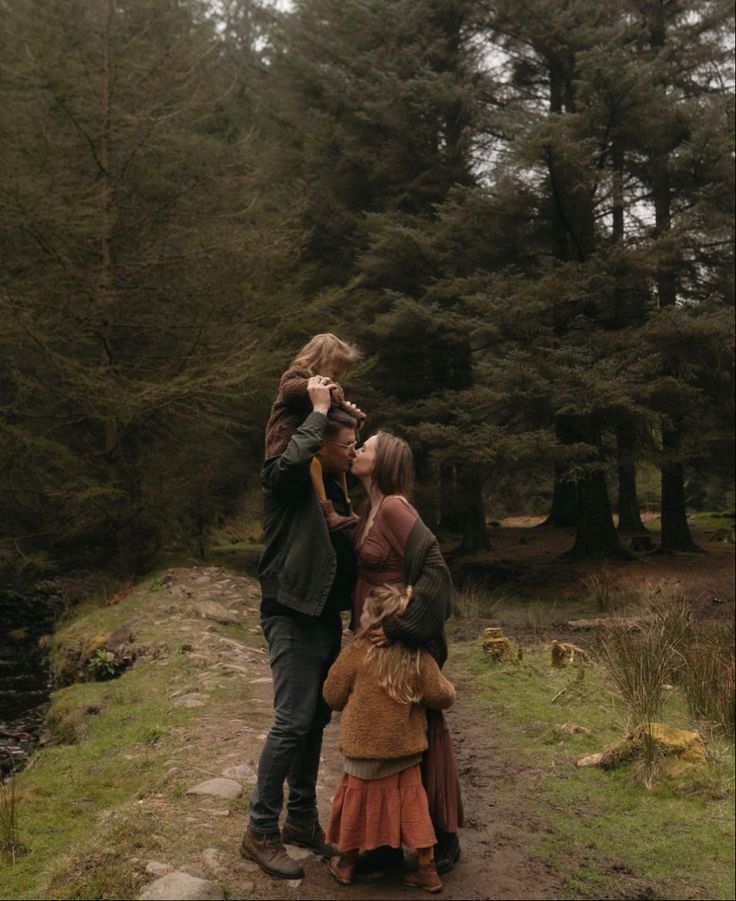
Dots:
pixel 397 518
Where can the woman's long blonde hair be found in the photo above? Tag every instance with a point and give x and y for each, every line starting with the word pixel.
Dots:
pixel 327 350
pixel 397 666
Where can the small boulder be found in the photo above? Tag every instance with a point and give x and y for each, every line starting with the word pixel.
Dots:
pixel 156 868
pixel 179 886
pixel 192 700
pixel 218 788
pixel 214 611
pixel 242 773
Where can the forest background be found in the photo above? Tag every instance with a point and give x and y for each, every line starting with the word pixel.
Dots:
pixel 521 210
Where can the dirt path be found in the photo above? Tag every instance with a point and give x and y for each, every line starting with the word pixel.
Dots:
pixel 499 799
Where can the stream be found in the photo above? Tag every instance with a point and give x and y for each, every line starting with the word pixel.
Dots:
pixel 24 677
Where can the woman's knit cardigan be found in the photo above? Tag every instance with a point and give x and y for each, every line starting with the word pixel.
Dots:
pixel 423 623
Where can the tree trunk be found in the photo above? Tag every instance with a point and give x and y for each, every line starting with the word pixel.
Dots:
pixel 629 515
pixel 470 489
pixel 564 510
pixel 675 529
pixel 596 535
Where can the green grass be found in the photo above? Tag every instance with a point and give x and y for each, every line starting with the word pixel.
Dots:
pixel 501 605
pixel 602 831
pixel 114 737
pixel 97 795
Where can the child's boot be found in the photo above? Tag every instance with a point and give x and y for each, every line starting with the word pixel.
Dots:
pixel 425 878
pixel 342 868
pixel 335 522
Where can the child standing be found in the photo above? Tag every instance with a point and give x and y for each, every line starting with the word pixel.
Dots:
pixel 323 355
pixel 383 732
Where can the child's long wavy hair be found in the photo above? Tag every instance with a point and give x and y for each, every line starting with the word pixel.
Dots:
pixel 397 665
pixel 327 351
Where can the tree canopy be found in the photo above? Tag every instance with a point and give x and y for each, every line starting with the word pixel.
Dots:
pixel 521 211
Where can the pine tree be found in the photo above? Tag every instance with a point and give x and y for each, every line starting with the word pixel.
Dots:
pixel 137 264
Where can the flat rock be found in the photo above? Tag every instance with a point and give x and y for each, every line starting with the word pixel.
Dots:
pixel 192 700
pixel 210 858
pixel 241 773
pixel 218 788
pixel 214 611
pixel 179 886
pixel 156 868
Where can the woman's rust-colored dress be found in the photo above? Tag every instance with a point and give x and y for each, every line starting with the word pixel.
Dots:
pixel 380 558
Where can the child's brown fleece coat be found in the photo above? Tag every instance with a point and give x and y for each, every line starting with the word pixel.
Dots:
pixel 292 406
pixel 373 725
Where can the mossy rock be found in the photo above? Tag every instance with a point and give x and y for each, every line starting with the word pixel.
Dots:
pixel 682 748
pixel 499 649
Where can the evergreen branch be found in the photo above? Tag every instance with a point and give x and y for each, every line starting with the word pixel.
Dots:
pixel 84 134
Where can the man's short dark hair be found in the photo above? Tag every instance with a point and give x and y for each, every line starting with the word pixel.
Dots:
pixel 337 420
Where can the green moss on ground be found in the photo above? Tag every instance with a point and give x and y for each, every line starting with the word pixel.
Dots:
pixel 604 831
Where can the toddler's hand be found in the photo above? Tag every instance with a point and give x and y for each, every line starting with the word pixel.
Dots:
pixel 355 411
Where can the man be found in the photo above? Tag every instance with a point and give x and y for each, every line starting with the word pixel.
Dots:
pixel 307 576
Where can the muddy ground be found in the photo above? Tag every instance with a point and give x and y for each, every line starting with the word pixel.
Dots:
pixel 499 796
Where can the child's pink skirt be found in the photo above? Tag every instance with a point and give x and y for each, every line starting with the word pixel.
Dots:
pixel 369 813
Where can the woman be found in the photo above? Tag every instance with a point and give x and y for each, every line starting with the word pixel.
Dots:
pixel 393 546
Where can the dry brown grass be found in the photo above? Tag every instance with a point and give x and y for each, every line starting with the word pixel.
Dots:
pixel 708 676
pixel 642 660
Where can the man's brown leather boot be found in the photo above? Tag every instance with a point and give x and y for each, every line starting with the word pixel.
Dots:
pixel 269 853
pixel 311 836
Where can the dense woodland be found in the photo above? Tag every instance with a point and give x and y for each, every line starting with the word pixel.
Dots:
pixel 521 210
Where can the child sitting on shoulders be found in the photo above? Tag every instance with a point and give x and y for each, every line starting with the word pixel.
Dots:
pixel 323 355
pixel 382 692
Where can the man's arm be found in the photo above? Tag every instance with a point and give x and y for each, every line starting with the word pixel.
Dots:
pixel 292 466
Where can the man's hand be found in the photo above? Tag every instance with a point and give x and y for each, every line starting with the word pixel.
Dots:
pixel 378 637
pixel 318 389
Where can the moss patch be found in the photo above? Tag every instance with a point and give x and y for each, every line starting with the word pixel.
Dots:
pixel 602 830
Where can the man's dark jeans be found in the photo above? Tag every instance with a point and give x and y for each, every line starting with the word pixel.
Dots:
pixel 301 653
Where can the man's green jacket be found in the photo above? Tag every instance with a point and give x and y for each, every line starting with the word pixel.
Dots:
pixel 298 566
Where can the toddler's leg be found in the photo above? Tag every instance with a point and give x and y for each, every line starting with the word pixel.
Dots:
pixel 315 470
pixel 334 520
pixel 426 876
pixel 343 867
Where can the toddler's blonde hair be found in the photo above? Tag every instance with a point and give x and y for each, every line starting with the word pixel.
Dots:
pixel 397 666
pixel 327 350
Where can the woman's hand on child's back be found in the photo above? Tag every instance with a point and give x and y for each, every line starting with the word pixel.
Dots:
pixel 378 637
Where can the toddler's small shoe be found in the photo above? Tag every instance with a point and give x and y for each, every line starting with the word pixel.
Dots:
pixel 425 878
pixel 343 869
pixel 335 521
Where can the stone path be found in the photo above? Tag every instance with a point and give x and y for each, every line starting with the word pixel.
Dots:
pixel 208 778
